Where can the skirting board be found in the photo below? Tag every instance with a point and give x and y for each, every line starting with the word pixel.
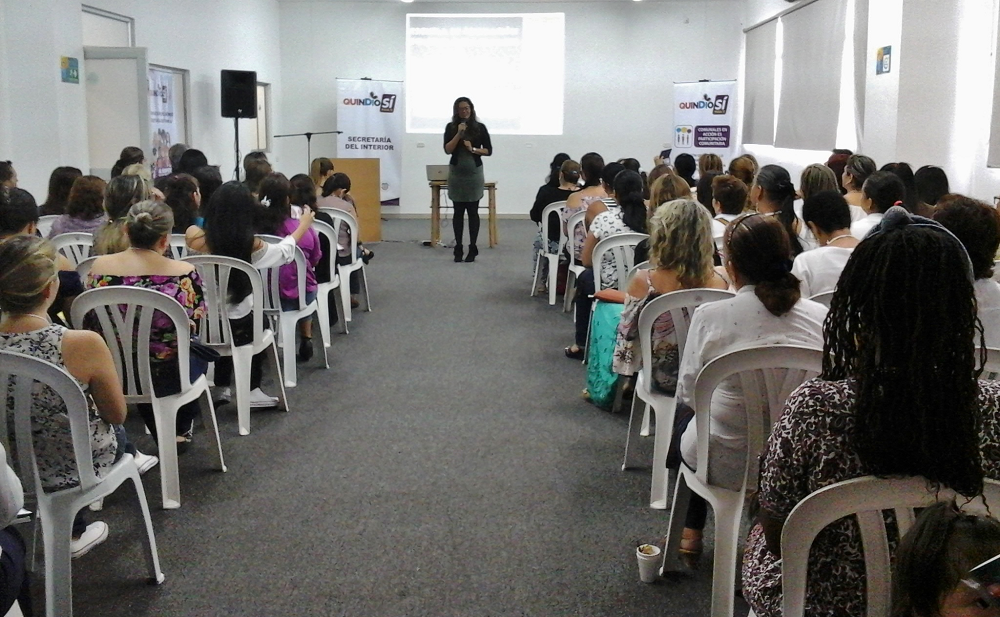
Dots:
pixel 417 215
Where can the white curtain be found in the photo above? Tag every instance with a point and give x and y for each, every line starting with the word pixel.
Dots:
pixel 758 98
pixel 812 52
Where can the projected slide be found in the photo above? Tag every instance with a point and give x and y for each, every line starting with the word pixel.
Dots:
pixel 511 66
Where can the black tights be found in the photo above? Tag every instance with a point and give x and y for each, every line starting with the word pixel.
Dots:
pixel 461 207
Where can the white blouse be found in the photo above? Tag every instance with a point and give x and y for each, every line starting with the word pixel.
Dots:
pixel 819 270
pixel 860 229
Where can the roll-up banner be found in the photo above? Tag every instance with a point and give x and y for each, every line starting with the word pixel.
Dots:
pixel 371 117
pixel 704 119
pixel 164 127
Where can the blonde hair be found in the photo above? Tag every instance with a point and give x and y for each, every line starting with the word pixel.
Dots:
pixel 666 188
pixel 27 266
pixel 111 237
pixel 709 162
pixel 319 168
pixel 816 178
pixel 680 239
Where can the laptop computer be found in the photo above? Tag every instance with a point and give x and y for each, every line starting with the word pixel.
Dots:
pixel 437 173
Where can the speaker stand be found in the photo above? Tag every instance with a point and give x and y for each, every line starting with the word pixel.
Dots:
pixel 236 146
pixel 309 136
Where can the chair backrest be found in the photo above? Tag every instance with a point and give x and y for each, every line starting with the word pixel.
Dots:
pixel 991 369
pixel 45 223
pixel 680 305
pixel 123 316
pixel 574 221
pixel 215 271
pixel 75 246
pixel 325 230
pixel 765 389
pixel 83 268
pixel 865 498
pixel 272 278
pixel 22 375
pixel 556 208
pixel 644 265
pixel 823 298
pixel 621 248
pixel 178 246
pixel 341 217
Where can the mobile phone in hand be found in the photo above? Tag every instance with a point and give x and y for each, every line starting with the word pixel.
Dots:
pixel 665 154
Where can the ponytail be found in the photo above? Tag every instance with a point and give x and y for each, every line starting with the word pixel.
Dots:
pixel 777 184
pixel 760 251
pixel 628 194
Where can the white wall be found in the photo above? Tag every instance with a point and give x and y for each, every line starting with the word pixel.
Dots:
pixel 621 61
pixel 43 121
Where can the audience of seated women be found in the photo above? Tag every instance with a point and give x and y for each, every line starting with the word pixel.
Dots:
pixel 148 225
pixel 182 194
pixel 767 309
pixel 773 194
pixel 591 166
pixel 826 213
pixel 932 561
pixel 931 184
pixel 856 170
pixel 560 186
pixel 898 396
pixel 337 194
pixel 881 191
pixel 28 287
pixel 60 182
pixel 681 251
pixel 977 226
pixel 84 208
pixel 628 216
pixel 276 219
pixel 121 194
pixel 229 231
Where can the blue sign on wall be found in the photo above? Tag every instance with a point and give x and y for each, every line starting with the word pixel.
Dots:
pixel 883 60
pixel 70 70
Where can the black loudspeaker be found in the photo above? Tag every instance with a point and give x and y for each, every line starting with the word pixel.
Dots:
pixel 239 94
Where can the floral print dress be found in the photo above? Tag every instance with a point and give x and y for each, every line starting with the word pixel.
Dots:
pixel 810 448
pixel 665 349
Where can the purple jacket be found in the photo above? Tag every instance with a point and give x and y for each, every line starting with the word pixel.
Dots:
pixel 287 279
pixel 67 224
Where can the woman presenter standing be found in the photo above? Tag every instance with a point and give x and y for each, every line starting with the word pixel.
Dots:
pixel 467 141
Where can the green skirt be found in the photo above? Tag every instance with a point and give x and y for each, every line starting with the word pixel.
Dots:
pixel 465 180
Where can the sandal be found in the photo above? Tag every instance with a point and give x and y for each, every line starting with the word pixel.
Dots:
pixel 691 547
pixel 575 355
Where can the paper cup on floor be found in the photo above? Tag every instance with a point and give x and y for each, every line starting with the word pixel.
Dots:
pixel 649 562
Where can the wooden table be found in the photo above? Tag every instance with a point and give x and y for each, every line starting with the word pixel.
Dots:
pixel 436 186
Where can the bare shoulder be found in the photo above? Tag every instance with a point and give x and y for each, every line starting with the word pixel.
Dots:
pixel 638 285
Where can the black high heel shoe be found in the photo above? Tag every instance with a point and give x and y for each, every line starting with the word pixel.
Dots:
pixel 473 251
pixel 458 253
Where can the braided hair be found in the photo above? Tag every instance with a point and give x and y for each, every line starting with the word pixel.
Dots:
pixel 903 325
pixel 778 187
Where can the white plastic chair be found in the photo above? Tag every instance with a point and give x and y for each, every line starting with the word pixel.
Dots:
pixel 642 265
pixel 765 390
pixel 680 305
pixel 44 224
pixel 56 509
pixel 287 321
pixel 823 298
pixel 991 369
pixel 83 268
pixel 622 248
pixel 214 329
pixel 129 311
pixel 865 498
pixel 178 246
pixel 323 289
pixel 575 268
pixel 75 246
pixel 341 217
pixel 552 259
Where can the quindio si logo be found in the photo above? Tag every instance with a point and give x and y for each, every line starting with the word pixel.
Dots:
pixel 386 103
pixel 719 106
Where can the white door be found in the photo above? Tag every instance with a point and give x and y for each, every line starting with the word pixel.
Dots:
pixel 117 104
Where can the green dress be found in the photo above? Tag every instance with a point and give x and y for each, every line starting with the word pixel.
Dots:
pixel 465 178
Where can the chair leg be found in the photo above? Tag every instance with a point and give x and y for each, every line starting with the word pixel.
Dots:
pixel 569 292
pixel 288 326
pixel 166 429
pixel 534 279
pixel 661 444
pixel 324 332
pixel 338 300
pixel 678 515
pixel 553 277
pixel 151 554
pixel 241 370
pixel 278 379
pixel 364 288
pixel 345 297
pixel 728 512
pixel 57 532
pixel 215 426
pixel 323 314
pixel 632 436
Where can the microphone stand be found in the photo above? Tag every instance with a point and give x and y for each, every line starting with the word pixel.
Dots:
pixel 309 136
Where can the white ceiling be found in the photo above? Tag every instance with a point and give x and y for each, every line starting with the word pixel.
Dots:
pixel 473 1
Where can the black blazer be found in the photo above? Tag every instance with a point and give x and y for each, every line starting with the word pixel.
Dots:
pixel 482 140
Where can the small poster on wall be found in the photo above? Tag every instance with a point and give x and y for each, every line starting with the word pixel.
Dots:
pixel 704 119
pixel 883 60
pixel 163 122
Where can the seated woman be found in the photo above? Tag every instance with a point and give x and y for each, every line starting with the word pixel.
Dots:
pixel 826 214
pixel 60 183
pixel 608 175
pixel 856 170
pixel 275 195
pixel 630 215
pixel 773 193
pixel 320 171
pixel 934 557
pixel 562 183
pixel 977 226
pixel 767 309
pixel 84 208
pixel 143 264
pixel 182 194
pixel 898 396
pixel 229 231
pixel 122 193
pixel 681 250
pixel 667 187
pixel 591 166
pixel 28 286
pixel 881 191
pixel 931 184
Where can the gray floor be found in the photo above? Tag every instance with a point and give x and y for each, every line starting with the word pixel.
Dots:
pixel 444 465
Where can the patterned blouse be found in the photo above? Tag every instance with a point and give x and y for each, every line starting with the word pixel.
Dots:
pixel 53 442
pixel 185 288
pixel 604 225
pixel 665 353
pixel 810 448
pixel 580 233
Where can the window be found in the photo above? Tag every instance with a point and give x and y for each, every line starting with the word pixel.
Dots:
pixel 106 29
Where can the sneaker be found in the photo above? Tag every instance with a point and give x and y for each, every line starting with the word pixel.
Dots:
pixel 144 462
pixel 96 533
pixel 221 395
pixel 258 399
